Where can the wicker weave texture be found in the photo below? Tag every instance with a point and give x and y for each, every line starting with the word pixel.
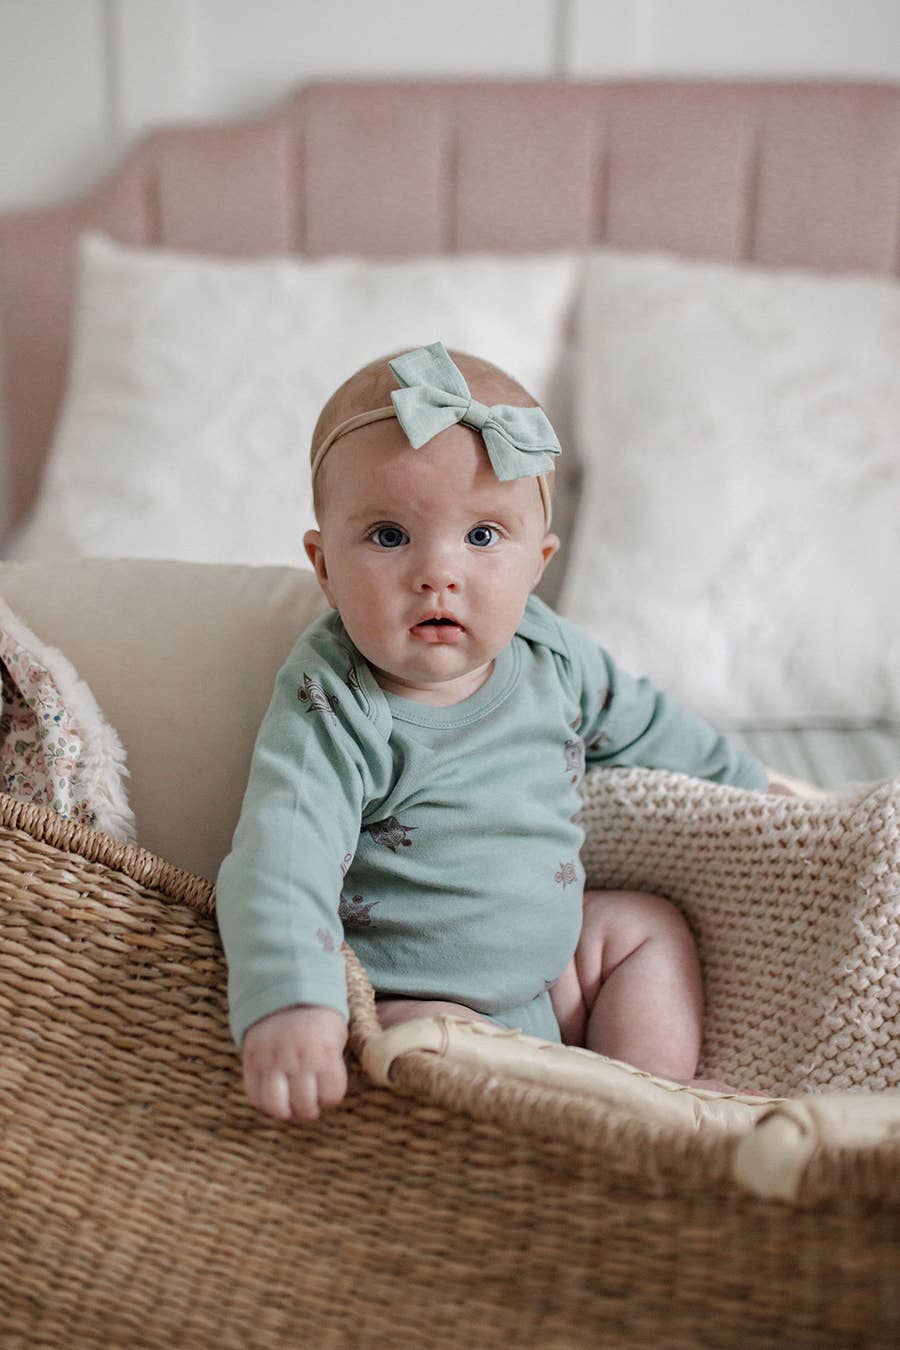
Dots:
pixel 144 1203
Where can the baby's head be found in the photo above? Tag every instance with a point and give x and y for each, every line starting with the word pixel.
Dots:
pixel 370 388
pixel 428 555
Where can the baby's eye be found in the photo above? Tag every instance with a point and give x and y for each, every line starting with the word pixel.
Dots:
pixel 389 536
pixel 482 536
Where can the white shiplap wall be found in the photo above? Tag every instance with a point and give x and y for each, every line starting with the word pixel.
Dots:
pixel 80 80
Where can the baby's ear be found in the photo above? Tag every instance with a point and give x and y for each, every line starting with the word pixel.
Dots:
pixel 548 548
pixel 312 543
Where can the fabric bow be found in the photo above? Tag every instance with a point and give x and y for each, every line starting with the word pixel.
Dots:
pixel 434 396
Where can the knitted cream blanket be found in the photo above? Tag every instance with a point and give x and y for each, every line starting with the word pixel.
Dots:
pixel 795 905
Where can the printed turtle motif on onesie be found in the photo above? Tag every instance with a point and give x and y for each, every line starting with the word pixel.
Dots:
pixel 355 912
pixel 312 693
pixel 391 833
pixel 575 760
pixel 574 751
pixel 566 876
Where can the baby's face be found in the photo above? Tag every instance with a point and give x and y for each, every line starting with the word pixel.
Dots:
pixel 427 557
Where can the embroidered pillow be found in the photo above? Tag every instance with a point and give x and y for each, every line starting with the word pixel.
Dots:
pixel 56 748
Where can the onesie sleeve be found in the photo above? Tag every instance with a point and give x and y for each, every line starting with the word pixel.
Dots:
pixel 628 721
pixel 278 890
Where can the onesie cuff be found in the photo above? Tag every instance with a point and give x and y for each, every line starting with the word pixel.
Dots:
pixel 287 994
pixel 752 774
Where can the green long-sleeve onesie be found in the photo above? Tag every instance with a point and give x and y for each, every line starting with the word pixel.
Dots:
pixel 440 840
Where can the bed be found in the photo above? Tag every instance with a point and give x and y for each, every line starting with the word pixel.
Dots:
pixel 699 280
pixel 784 177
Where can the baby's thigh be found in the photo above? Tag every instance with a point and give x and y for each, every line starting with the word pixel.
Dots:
pixel 392 1011
pixel 615 924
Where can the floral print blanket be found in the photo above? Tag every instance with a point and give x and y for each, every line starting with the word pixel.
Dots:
pixel 56 749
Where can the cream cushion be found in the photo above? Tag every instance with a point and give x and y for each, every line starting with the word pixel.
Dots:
pixel 738 537
pixel 181 659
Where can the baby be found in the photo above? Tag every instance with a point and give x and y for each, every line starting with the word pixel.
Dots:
pixel 415 780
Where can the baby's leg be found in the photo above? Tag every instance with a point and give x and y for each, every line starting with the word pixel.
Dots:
pixel 392 1011
pixel 633 989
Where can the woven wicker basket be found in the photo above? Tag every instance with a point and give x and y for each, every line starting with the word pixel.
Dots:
pixel 144 1203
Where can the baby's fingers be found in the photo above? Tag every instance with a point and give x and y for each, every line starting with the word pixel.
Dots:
pixel 284 1096
pixel 332 1082
pixel 312 1091
pixel 304 1095
pixel 270 1092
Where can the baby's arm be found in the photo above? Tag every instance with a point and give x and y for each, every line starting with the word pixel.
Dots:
pixel 294 1062
pixel 279 888
pixel 636 724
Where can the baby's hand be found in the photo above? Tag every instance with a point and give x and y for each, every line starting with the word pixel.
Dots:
pixel 294 1062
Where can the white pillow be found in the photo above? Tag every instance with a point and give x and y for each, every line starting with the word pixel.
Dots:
pixel 195 384
pixel 738 536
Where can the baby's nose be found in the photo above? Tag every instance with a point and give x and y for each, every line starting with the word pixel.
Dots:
pixel 437 582
pixel 436 573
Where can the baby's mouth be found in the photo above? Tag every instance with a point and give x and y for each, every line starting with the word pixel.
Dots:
pixel 438 628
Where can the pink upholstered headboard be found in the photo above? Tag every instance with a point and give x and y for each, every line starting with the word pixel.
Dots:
pixel 803 175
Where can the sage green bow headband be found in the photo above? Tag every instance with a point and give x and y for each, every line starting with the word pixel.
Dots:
pixel 434 396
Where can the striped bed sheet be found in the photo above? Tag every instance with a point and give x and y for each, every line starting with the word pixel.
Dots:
pixel 829 756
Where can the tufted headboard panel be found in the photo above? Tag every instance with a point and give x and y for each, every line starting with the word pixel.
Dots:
pixel 800 174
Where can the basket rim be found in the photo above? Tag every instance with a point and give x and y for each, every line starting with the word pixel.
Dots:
pixel 44 825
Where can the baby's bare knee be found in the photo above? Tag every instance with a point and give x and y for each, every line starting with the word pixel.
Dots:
pixel 636 916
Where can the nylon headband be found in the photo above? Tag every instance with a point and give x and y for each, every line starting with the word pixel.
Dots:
pixel 381 415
